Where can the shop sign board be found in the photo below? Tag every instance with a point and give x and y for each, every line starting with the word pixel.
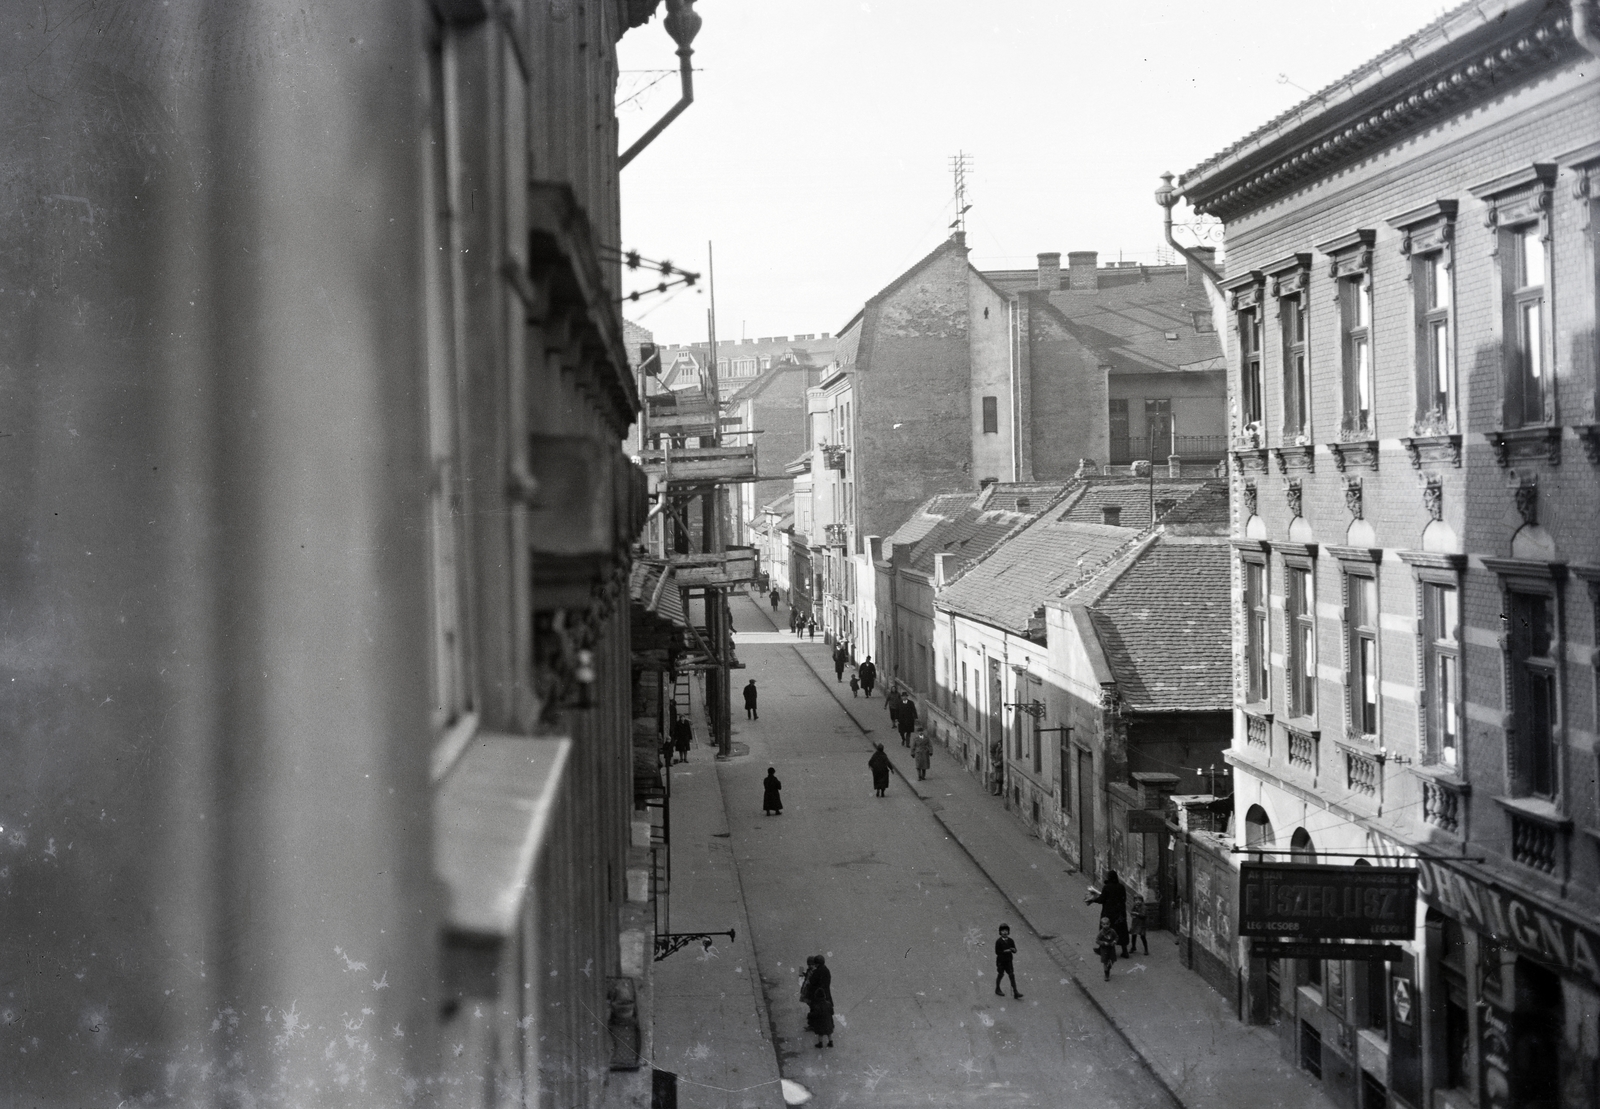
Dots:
pixel 1295 949
pixel 1312 901
pixel 1515 922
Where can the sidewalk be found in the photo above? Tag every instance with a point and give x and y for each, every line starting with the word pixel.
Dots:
pixel 1184 1030
pixel 718 1039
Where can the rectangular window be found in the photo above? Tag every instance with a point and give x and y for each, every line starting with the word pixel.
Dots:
pixel 1533 694
pixel 1441 668
pixel 1256 658
pixel 1431 281
pixel 1252 401
pixel 991 415
pixel 1063 753
pixel 1296 383
pixel 1527 309
pixel 1302 643
pixel 1355 310
pixel 1361 676
pixel 1158 427
pixel 963 692
pixel 1121 447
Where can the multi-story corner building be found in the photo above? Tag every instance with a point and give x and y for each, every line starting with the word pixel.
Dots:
pixel 1412 274
pixel 320 690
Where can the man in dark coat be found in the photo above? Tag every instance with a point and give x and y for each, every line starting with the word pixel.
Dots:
pixel 750 700
pixel 773 597
pixel 682 736
pixel 906 720
pixel 840 657
pixel 868 672
pixel 879 762
pixel 771 788
pixel 1113 901
pixel 891 701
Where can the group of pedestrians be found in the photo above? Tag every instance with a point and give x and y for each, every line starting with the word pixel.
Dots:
pixel 1116 928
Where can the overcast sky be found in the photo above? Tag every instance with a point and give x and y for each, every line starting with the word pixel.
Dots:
pixel 816 154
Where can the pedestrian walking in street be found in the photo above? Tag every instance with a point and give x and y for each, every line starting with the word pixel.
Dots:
pixel 840 657
pixel 906 720
pixel 922 752
pixel 771 802
pixel 1005 950
pixel 773 597
pixel 1113 901
pixel 855 685
pixel 1136 925
pixel 816 992
pixel 869 675
pixel 1105 945
pixel 682 736
pixel 811 629
pixel 750 700
pixel 891 701
pixel 879 762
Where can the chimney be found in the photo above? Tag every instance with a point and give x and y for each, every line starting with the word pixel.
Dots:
pixel 1083 269
pixel 944 567
pixel 959 238
pixel 1050 270
pixel 1111 514
pixel 1194 273
pixel 875 546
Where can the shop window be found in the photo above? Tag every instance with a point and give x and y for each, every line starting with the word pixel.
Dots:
pixel 1449 940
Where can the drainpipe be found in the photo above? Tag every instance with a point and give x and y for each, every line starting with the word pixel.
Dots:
pixel 1167 197
pixel 1585 27
pixel 682 24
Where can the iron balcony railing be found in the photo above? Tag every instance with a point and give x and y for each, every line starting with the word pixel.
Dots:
pixel 1199 448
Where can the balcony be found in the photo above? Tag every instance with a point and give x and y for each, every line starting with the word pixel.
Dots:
pixel 1258 732
pixel 701 465
pixel 833 456
pixel 1537 831
pixel 837 535
pixel 1303 750
pixel 1442 805
pixel 1190 448
pixel 1360 774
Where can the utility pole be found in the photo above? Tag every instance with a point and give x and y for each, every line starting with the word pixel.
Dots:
pixel 713 505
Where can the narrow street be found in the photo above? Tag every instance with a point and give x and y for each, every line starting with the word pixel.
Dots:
pixel 905 918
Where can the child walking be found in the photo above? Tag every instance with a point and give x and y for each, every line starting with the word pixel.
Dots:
pixel 1136 934
pixel 855 685
pixel 1105 945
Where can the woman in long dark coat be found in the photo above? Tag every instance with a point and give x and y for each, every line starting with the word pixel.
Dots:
pixel 1113 901
pixel 879 762
pixel 906 720
pixel 816 990
pixel 770 789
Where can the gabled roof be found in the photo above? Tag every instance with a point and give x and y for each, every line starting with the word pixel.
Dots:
pixel 1042 560
pixel 1161 614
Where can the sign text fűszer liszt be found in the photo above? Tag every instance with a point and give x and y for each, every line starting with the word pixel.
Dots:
pixel 1310 901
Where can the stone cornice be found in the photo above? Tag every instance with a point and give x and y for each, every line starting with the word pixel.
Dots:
pixel 1361 238
pixel 1403 91
pixel 1426 213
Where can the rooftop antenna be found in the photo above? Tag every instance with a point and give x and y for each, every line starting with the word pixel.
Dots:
pixel 960 162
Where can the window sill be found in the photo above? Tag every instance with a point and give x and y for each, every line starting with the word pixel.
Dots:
pixel 1537 810
pixel 1443 775
pixel 1539 443
pixel 1433 449
pixel 491 817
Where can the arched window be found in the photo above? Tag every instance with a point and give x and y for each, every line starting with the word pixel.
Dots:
pixel 1258 828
